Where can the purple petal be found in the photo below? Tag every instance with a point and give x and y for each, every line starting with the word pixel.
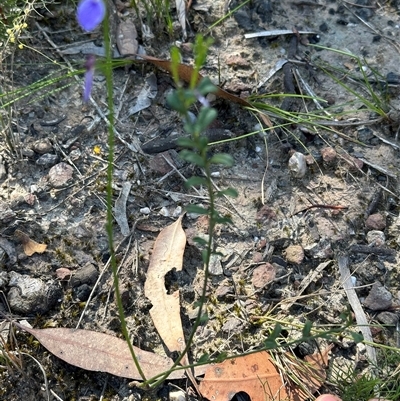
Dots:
pixel 88 84
pixel 90 13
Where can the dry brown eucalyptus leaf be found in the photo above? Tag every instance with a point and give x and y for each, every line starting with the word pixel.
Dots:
pixel 100 352
pixel 30 246
pixel 167 254
pixel 254 374
pixel 257 375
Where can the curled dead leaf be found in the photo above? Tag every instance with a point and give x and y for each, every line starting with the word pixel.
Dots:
pixel 30 246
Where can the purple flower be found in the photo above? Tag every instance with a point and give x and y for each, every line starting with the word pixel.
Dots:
pixel 89 65
pixel 90 13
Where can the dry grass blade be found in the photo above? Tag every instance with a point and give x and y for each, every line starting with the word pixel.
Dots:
pixel 361 318
pixel 181 10
pixel 303 377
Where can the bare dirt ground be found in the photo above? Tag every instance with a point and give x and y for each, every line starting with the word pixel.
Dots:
pixel 276 252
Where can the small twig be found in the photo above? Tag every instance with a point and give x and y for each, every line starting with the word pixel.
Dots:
pixel 334 207
pixel 362 322
pixel 372 249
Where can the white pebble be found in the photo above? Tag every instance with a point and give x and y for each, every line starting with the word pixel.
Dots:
pixel 144 210
pixel 177 212
pixel 164 212
pixel 298 165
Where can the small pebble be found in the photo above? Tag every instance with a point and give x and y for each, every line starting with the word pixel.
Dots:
pixel 144 210
pixel 47 160
pixel 294 254
pixel 263 275
pixel 375 238
pixel 375 222
pixel 298 165
pixel 177 212
pixel 328 155
pixel 60 174
pixel 389 318
pixel 379 298
pixel 164 212
pixel 42 146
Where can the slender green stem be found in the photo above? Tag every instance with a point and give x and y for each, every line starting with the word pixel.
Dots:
pixel 109 226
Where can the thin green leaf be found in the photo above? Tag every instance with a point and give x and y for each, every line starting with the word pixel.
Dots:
pixel 192 157
pixel 357 337
pixel 195 181
pixel 196 209
pixel 200 241
pixel 227 192
pixel 222 158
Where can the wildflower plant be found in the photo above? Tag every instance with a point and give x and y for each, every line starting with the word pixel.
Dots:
pixel 90 14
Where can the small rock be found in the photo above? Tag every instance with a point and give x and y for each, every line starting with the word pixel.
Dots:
pixel 47 160
pixel 27 152
pixel 144 210
pixel 86 274
pixel 389 318
pixel 42 146
pixel 328 155
pixel 177 395
pixel 29 295
pixel 215 266
pixel 232 325
pixel 258 257
pixel 177 212
pixel 263 275
pixel 223 290
pixel 294 254
pixel 235 60
pixel 379 298
pixel 82 292
pixel 375 222
pixel 63 274
pixel 164 212
pixel 375 238
pixel 60 174
pixel 297 165
pixel 159 165
pixel 319 250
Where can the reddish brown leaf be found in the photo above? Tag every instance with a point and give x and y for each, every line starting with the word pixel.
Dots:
pixel 257 375
pixel 100 352
pixel 185 73
pixel 254 374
